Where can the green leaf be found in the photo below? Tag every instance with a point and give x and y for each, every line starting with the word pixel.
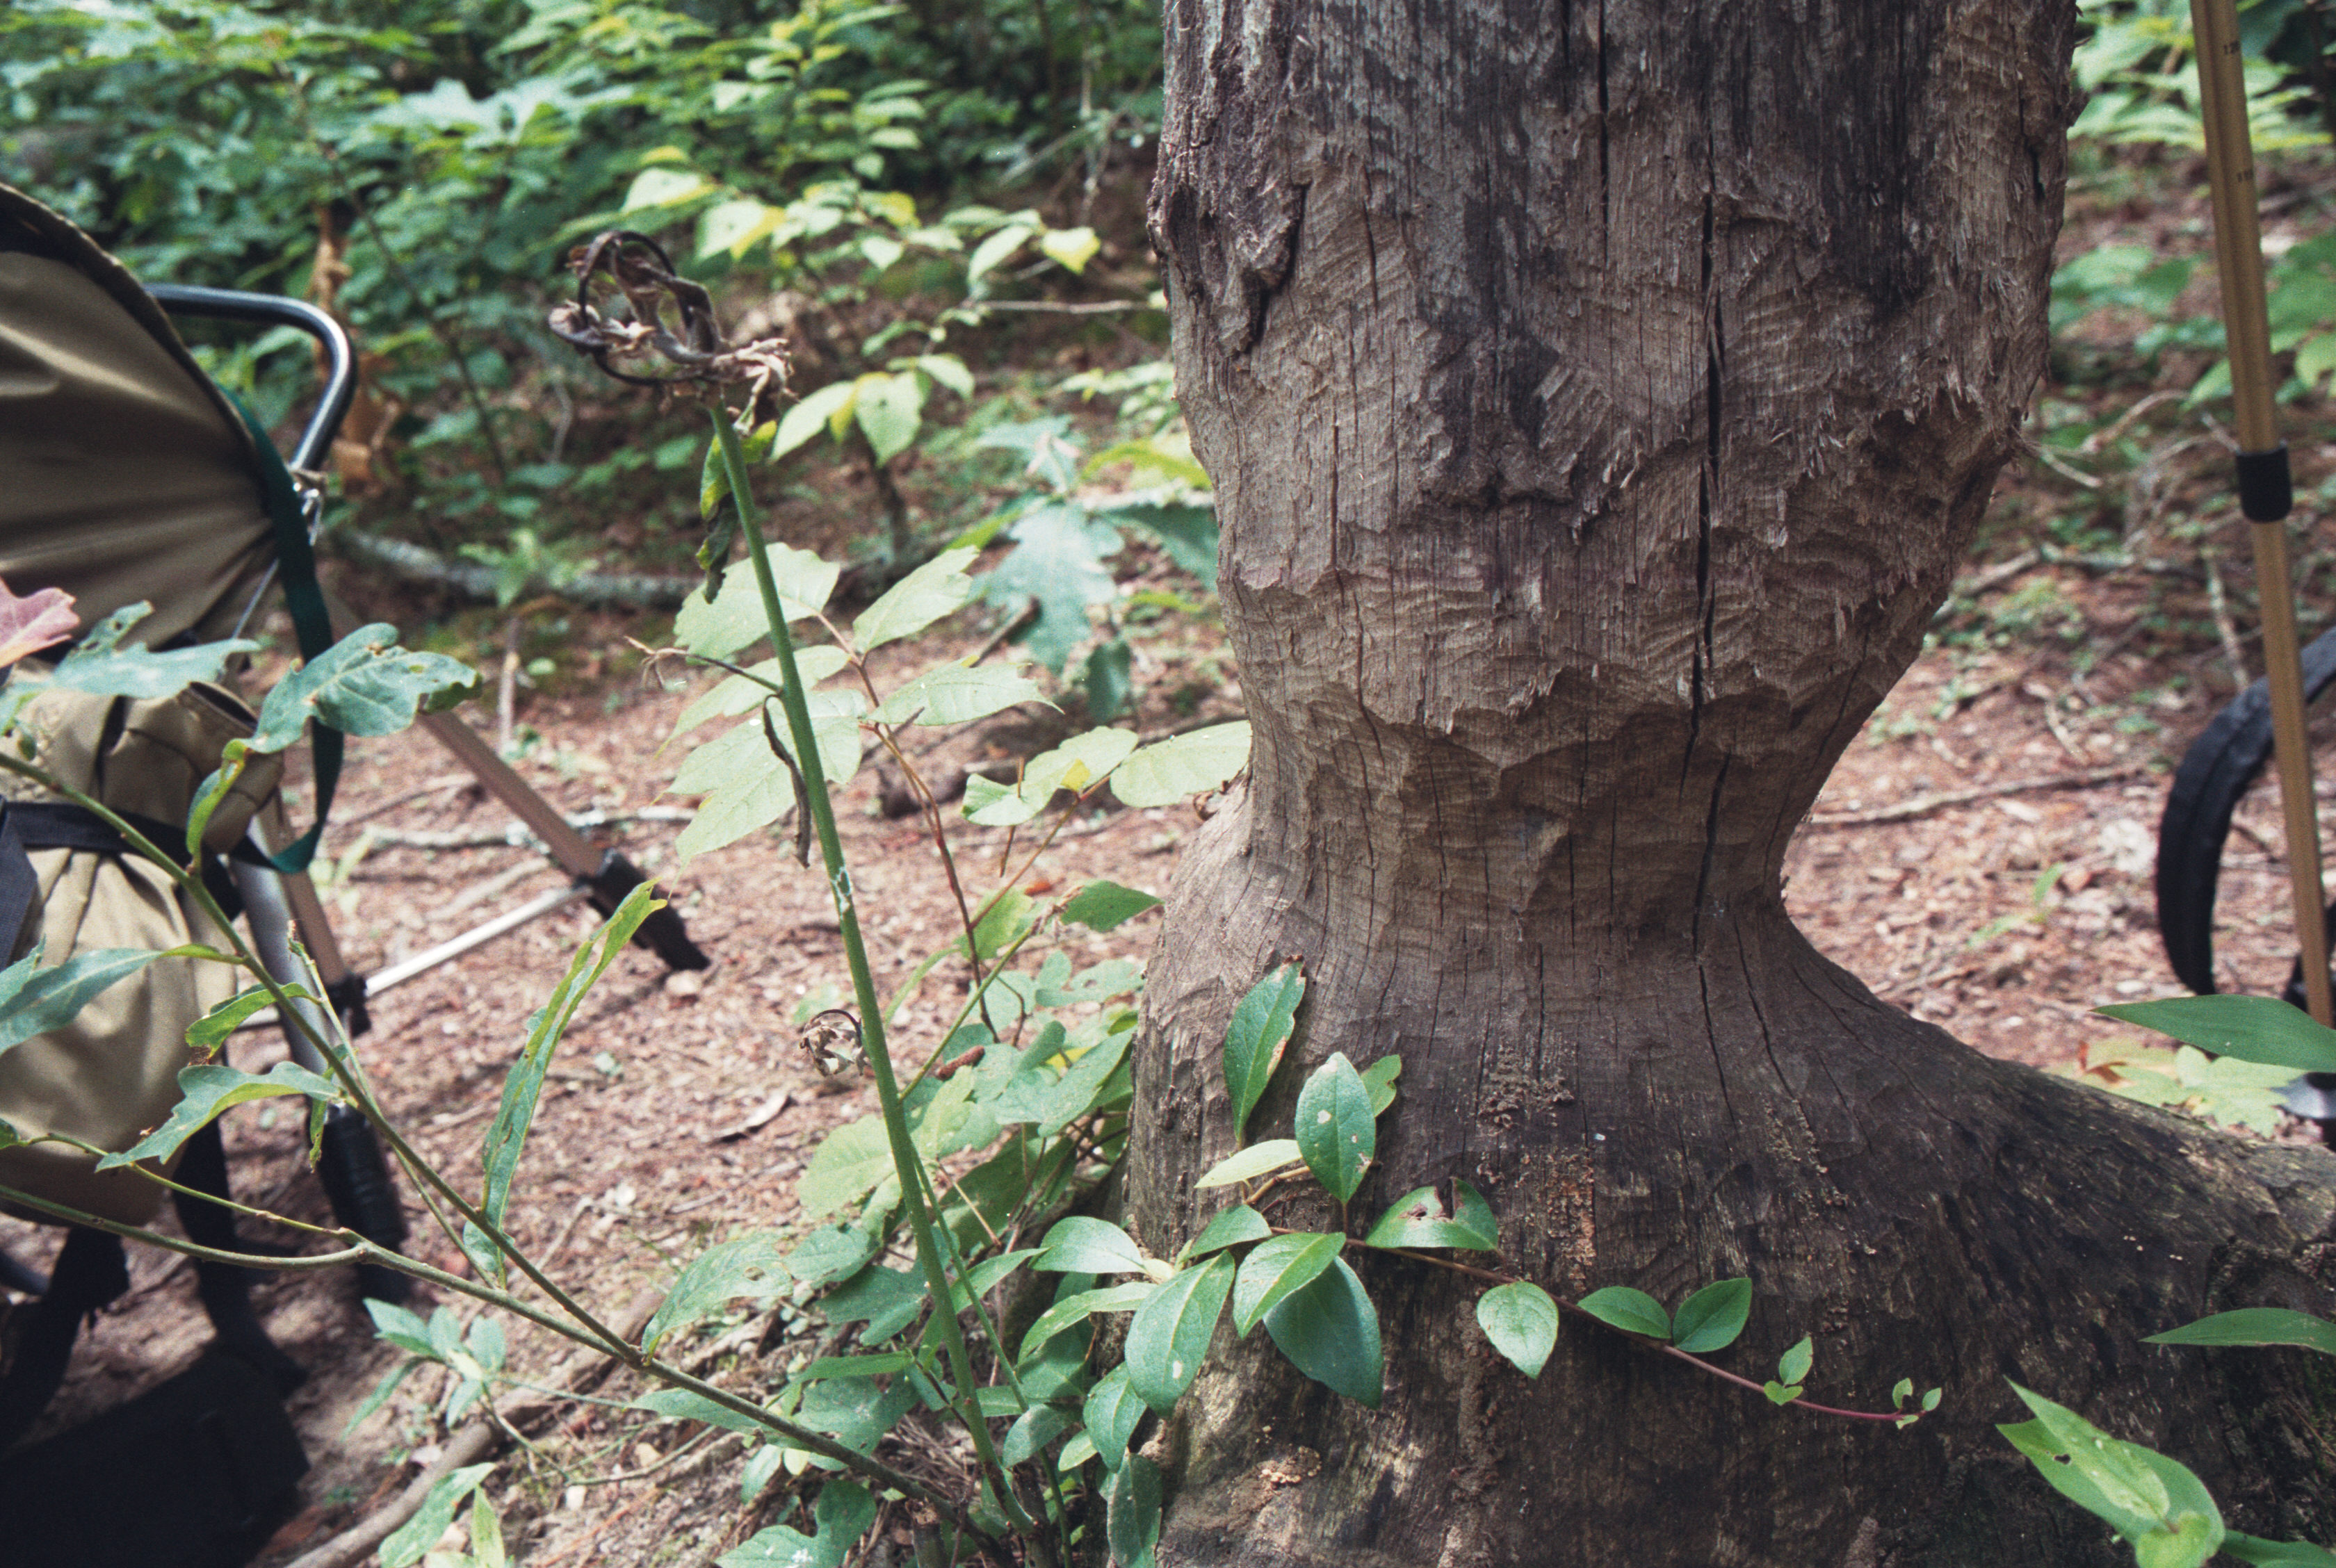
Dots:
pixel 2252 1028
pixel 1330 1331
pixel 1260 1030
pixel 949 371
pixel 36 1001
pixel 1070 247
pixel 395 1326
pixel 847 1166
pixel 888 408
pixel 1781 1393
pixel 233 759
pixel 2265 1553
pixel 1082 1087
pixel 955 693
pixel 409 1541
pixel 2147 1499
pixel 734 695
pixel 525 1085
pixel 1113 1409
pixel 364 684
pixel 746 1268
pixel 714 474
pixel 1076 765
pixel 1010 916
pixel 1178 768
pixel 1521 1320
pixel 1132 1516
pixel 1247 1165
pixel 2255 1326
pixel 1336 1133
pixel 205 1092
pixel 1276 1269
pixel 659 186
pixel 745 785
pixel 381 1391
pixel 1187 532
pixel 735 619
pixel 1229 1229
pixel 682 1405
pixel 1379 1079
pixel 1418 1219
pixel 1710 1318
pixel 1632 1312
pixel 1171 1334
pixel 487 1549
pixel 830 406
pixel 1077 1309
pixel 1032 1431
pixel 830 1254
pixel 996 248
pixel 211 1030
pixel 843 1515
pixel 935 589
pixel 100 668
pixel 1082 1245
pixel 1793 1366
pixel 1105 905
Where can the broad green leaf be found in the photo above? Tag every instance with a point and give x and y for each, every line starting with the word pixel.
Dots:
pixel 1105 905
pixel 1082 1087
pixel 735 226
pixel 886 1300
pixel 407 1542
pixel 957 693
pixel 682 1405
pixel 947 369
pixel 487 1549
pixel 34 1001
pixel 1330 1331
pixel 100 667
pixel 2265 1553
pixel 1176 770
pixel 996 248
pixel 2252 1028
pixel 1070 247
pixel 830 1254
pixel 660 187
pixel 1081 1245
pixel 1247 1165
pixel 734 695
pixel 1379 1079
pixel 1521 1320
pixel 1229 1229
pixel 935 589
pixel 381 1391
pixel 1075 765
pixel 1634 1311
pixel 1276 1269
pixel 1710 1318
pixel 888 408
pixel 842 1515
pixel 1112 1412
pixel 1187 532
pixel 40 620
pixel 1418 1219
pixel 830 406
pixel 1171 1334
pixel 2255 1326
pixel 745 785
pixel 1032 1431
pixel 1132 1513
pixel 849 1163
pixel 1077 1309
pixel 747 1268
pixel 1793 1366
pixel 207 1091
pixel 1006 919
pixel 1058 563
pixel 736 620
pixel 525 1085
pixel 1336 1133
pixel 211 1030
pixel 396 1326
pixel 364 684
pixel 1254 1040
pixel 2146 1498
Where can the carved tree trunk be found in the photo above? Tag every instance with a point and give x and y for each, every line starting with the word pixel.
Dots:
pixel 1600 397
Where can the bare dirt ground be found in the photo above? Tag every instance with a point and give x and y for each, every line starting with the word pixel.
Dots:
pixel 2025 755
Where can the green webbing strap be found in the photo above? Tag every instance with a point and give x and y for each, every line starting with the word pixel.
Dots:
pixel 312 622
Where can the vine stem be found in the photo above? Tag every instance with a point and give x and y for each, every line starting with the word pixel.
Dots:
pixel 906 1161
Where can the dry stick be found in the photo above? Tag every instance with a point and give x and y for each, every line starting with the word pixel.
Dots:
pixel 2220 603
pixel 476 1440
pixel 1922 805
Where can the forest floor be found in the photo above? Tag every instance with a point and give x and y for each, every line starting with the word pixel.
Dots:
pixel 1981 856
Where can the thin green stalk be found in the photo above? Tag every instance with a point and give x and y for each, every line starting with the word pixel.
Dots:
pixel 905 1158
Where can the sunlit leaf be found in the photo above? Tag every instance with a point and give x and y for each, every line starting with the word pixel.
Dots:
pixel 735 619
pixel 1176 770
pixel 2254 1028
pixel 1070 247
pixel 734 695
pixel 1247 1165
pixel 933 590
pixel 1075 765
pixel 827 407
pixel 2158 1505
pixel 888 408
pixel 955 693
pixel 747 1268
pixel 207 1091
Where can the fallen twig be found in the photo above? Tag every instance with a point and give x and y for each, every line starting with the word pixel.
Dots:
pixel 1922 805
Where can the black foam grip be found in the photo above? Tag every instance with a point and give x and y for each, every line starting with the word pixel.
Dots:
pixel 662 933
pixel 2266 492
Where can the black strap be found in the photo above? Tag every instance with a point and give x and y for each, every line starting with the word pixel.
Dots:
pixel 57 824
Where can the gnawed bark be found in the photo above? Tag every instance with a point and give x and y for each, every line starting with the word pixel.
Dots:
pixel 1598 399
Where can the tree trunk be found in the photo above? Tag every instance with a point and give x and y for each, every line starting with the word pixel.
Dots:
pixel 1600 397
